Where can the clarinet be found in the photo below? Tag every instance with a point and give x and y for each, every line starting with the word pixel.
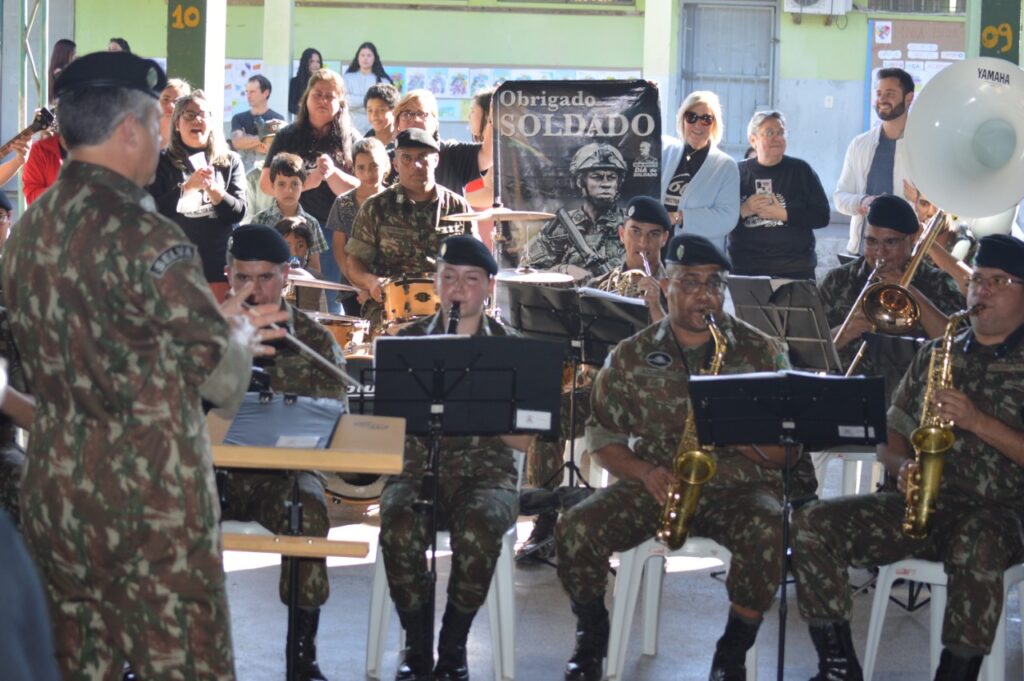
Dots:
pixel 453 319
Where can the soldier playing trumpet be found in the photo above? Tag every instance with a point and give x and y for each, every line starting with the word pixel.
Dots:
pixel 638 401
pixel 976 529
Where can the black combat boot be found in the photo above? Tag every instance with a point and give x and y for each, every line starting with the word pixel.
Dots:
pixel 952 667
pixel 305 659
pixel 418 663
pixel 591 641
pixel 837 660
pixel 541 542
pixel 451 645
pixel 731 650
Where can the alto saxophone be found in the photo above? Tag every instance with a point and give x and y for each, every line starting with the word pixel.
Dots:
pixel 932 438
pixel 694 464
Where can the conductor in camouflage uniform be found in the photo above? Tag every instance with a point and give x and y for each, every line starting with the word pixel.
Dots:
pixel 976 529
pixel 477 492
pixel 259 254
pixel 889 236
pixel 645 231
pixel 397 230
pixel 120 337
pixel 640 396
pixel 584 242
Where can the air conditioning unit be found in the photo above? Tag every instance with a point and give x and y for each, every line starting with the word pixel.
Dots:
pixel 828 7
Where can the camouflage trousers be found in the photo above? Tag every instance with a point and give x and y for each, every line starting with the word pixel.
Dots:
pixel 261 498
pixel 745 519
pixel 477 517
pixel 544 457
pixel 974 543
pixel 12 461
pixel 119 591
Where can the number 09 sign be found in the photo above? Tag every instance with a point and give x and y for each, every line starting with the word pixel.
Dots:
pixel 1000 29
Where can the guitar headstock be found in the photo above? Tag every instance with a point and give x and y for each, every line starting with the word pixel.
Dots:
pixel 43 120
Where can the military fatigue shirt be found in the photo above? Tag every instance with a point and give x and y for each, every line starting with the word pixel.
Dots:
pixel 486 460
pixel 553 249
pixel 292 372
pixel 841 286
pixel 632 290
pixel 393 235
pixel 15 373
pixel 993 378
pixel 117 330
pixel 641 392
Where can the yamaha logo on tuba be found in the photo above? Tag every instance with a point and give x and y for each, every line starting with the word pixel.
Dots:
pixel 994 76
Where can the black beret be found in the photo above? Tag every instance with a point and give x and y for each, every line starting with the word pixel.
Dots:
pixel 466 250
pixel 690 249
pixel 259 242
pixel 5 203
pixel 893 212
pixel 646 209
pixel 112 69
pixel 1001 252
pixel 414 137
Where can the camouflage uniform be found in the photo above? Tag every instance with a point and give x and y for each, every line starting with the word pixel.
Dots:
pixel 393 235
pixel 841 286
pixel 118 335
pixel 641 395
pixel 553 250
pixel 12 457
pixel 262 496
pixel 977 528
pixel 477 495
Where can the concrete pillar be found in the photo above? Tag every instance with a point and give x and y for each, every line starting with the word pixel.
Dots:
pixel 660 53
pixel 278 23
pixel 195 45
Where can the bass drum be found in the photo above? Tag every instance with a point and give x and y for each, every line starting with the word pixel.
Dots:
pixel 357 488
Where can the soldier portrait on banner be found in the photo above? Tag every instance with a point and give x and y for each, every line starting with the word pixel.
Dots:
pixel 580 150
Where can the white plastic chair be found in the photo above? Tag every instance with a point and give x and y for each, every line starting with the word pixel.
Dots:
pixel 932 573
pixel 500 605
pixel 646 562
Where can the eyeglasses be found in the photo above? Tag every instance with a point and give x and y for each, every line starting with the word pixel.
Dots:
pixel 193 115
pixel 892 242
pixel 996 283
pixel 691 118
pixel 415 115
pixel 689 285
pixel 771 133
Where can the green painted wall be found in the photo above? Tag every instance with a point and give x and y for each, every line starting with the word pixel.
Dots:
pixel 439 36
pixel 812 50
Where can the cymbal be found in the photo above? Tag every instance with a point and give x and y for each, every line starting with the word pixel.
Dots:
pixel 300 277
pixel 501 213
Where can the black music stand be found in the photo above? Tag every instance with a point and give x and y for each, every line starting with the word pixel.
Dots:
pixel 791 311
pixel 266 419
pixel 586 322
pixel 794 409
pixel 465 385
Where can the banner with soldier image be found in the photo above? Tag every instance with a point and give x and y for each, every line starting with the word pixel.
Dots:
pixel 581 150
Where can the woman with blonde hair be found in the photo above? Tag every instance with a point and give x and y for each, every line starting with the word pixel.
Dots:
pixel 200 184
pixel 700 184
pixel 460 162
pixel 322 136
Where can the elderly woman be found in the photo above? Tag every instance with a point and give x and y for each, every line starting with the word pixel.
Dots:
pixel 782 203
pixel 699 182
pixel 200 184
pixel 460 162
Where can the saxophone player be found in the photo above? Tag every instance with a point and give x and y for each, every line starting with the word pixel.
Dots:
pixel 976 528
pixel 638 406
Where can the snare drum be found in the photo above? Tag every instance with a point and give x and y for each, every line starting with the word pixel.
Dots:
pixel 407 298
pixel 358 488
pixel 346 330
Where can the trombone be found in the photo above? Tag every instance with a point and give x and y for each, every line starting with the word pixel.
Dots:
pixel 891 307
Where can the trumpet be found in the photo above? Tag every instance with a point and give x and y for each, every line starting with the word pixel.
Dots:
pixel 891 307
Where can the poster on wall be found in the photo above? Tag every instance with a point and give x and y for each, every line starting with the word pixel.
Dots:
pixel 581 150
pixel 921 48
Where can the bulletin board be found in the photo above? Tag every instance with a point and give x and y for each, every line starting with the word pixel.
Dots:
pixel 921 48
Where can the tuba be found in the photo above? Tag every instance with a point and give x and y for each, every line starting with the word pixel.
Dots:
pixel 694 464
pixel 932 438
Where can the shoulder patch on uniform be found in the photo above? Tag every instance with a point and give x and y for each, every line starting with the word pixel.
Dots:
pixel 172 255
pixel 659 359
